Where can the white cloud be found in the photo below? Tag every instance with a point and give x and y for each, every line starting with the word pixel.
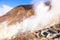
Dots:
pixel 4 9
pixel 38 1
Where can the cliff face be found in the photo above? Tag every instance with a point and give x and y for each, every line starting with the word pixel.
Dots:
pixel 17 14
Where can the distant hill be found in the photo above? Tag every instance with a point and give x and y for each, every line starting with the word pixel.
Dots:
pixel 17 14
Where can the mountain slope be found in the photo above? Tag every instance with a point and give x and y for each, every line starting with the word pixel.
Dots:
pixel 17 14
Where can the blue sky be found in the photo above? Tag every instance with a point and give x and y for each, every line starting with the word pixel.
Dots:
pixel 14 2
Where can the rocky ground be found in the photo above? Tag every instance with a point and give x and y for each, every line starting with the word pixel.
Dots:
pixel 52 33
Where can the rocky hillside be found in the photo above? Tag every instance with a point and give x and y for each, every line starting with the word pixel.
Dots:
pixel 17 14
